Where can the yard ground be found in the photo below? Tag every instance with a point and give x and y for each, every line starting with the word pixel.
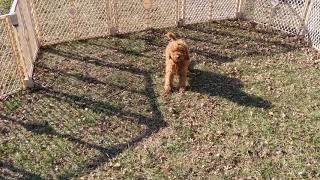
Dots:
pixel 5 6
pixel 97 112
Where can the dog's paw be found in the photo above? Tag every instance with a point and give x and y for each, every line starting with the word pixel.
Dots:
pixel 167 90
pixel 182 90
pixel 167 93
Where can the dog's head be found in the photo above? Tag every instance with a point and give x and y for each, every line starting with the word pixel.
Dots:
pixel 178 51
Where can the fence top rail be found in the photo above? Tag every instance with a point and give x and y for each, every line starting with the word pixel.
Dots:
pixel 3 16
pixel 13 7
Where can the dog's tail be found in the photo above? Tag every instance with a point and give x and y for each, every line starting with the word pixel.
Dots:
pixel 171 36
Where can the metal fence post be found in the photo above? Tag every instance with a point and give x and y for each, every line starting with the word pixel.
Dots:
pixel 112 13
pixel 180 12
pixel 210 15
pixel 306 18
pixel 240 4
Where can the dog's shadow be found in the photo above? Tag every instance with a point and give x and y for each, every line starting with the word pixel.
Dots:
pixel 230 88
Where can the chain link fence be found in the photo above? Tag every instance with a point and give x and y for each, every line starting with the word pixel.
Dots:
pixel 285 15
pixel 10 75
pixel 60 20
pixel 35 23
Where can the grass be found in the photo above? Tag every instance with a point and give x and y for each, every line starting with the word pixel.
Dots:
pixel 5 6
pixel 97 111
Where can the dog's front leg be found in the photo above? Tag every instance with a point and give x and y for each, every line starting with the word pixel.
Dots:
pixel 183 80
pixel 183 76
pixel 168 81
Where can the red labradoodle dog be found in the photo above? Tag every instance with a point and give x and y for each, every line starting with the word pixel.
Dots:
pixel 177 63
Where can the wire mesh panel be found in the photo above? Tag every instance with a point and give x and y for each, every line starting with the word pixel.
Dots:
pixel 66 20
pixel 131 16
pixel 206 10
pixel 285 15
pixel 135 15
pixel 197 11
pixel 10 77
pixel 163 13
pixel 313 25
pixel 224 9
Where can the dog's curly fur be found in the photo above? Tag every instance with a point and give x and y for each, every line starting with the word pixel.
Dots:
pixel 177 63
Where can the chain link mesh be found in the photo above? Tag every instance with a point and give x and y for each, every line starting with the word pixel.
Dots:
pixel 10 77
pixel 207 10
pixel 224 9
pixel 197 11
pixel 285 15
pixel 132 16
pixel 67 20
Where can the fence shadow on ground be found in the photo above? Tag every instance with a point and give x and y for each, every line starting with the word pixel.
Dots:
pixel 50 105
pixel 255 42
pixel 220 42
pixel 8 171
